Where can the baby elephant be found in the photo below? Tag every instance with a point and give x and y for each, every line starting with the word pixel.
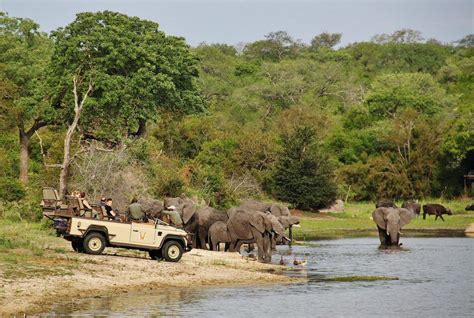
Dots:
pixel 413 206
pixel 435 209
pixel 218 233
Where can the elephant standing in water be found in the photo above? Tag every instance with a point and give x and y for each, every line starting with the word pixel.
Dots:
pixel 390 222
pixel 246 226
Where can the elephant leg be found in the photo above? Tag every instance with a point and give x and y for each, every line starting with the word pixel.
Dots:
pixel 226 248
pixel 261 248
pixel 250 247
pixel 384 239
pixel 232 246
pixel 202 237
pixel 441 217
pixel 267 248
pixel 424 216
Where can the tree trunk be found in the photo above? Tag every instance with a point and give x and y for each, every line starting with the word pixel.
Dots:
pixel 63 176
pixel 24 156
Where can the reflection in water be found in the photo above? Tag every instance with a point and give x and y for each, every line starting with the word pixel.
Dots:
pixel 435 279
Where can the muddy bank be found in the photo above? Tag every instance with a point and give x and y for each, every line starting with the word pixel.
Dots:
pixel 119 272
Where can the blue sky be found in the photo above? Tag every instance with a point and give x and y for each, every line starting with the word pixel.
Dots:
pixel 234 21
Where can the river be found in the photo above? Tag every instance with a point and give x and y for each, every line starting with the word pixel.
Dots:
pixel 435 279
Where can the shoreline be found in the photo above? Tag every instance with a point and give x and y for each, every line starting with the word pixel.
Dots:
pixel 114 274
pixel 353 233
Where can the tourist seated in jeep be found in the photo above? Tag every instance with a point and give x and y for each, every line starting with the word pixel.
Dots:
pixel 83 199
pixel 135 211
pixel 111 214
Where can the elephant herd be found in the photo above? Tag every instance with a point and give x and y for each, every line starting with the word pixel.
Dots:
pixel 253 222
pixel 390 219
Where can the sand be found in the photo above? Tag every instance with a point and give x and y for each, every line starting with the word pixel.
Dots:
pixel 120 271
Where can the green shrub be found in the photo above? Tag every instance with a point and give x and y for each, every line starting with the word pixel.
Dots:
pixel 303 176
pixel 11 189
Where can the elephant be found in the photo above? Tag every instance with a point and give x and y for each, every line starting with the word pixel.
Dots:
pixel 152 208
pixel 287 222
pixel 250 226
pixel 206 218
pixel 274 208
pixel 218 233
pixel 390 222
pixel 186 210
pixel 435 209
pixel 385 204
pixel 413 206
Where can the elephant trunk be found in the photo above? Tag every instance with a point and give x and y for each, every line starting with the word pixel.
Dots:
pixel 393 232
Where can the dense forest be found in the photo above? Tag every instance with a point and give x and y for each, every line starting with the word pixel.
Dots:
pixel 113 106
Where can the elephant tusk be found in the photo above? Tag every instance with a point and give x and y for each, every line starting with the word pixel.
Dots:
pixel 296 225
pixel 400 233
pixel 287 238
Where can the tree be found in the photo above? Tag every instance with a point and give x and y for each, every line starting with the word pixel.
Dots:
pixel 130 70
pixel 303 176
pixel 326 40
pixel 393 92
pixel 275 47
pixel 400 36
pixel 24 58
pixel 466 42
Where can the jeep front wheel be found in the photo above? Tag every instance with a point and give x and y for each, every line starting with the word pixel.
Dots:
pixel 172 251
pixel 94 243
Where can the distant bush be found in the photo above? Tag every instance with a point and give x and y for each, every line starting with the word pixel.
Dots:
pixel 11 189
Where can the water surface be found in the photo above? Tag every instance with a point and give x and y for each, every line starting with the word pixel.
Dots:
pixel 436 279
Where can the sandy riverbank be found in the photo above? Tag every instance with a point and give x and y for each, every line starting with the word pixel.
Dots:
pixel 119 272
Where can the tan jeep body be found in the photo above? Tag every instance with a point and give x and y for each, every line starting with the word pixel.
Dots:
pixel 148 236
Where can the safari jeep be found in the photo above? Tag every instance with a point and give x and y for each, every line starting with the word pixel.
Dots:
pixel 91 232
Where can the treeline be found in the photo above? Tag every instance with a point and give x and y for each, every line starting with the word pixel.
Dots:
pixel 145 114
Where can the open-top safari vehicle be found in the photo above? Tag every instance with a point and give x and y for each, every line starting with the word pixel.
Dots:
pixel 91 231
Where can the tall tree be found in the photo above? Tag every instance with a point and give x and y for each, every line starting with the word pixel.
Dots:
pixel 25 54
pixel 303 176
pixel 326 40
pixel 135 70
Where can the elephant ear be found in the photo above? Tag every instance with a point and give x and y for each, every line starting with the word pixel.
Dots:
pixel 257 221
pixel 405 216
pixel 188 211
pixel 379 217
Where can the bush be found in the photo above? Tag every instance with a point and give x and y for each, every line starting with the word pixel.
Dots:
pixel 20 211
pixel 303 176
pixel 11 189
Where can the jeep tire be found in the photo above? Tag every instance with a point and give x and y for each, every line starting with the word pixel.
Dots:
pixel 172 251
pixel 94 243
pixel 77 246
pixel 157 255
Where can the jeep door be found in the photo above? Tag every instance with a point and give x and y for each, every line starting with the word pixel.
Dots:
pixel 142 233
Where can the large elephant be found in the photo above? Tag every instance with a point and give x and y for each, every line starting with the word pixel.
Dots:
pixel 186 209
pixel 247 226
pixel 390 222
pixel 206 218
pixel 152 208
pixel 274 208
pixel 218 233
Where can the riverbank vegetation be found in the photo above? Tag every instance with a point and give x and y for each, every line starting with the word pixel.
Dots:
pixel 113 106
pixel 356 221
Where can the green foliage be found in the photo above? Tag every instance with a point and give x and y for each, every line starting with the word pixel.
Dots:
pixel 11 189
pixel 393 92
pixel 303 176
pixel 136 71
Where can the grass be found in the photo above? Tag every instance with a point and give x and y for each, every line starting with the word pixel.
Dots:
pixel 357 278
pixel 32 250
pixel 356 221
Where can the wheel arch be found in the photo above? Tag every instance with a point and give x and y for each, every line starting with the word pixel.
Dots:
pixel 98 229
